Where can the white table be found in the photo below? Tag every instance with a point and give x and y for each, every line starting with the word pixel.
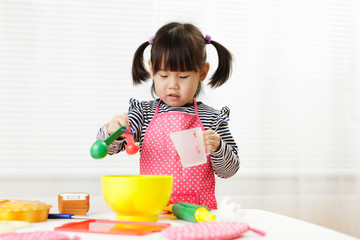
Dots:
pixel 277 227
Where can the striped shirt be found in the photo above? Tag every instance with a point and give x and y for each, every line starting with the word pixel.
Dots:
pixel 224 162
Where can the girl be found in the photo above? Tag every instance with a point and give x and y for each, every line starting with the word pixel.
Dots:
pixel 177 68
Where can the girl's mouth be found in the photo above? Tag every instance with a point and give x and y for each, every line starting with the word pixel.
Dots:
pixel 173 96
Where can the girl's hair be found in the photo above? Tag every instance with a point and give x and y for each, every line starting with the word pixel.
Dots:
pixel 181 47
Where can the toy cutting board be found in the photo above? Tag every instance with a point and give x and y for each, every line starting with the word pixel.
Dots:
pixel 113 227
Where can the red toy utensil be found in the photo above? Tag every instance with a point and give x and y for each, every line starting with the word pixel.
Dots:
pixel 132 147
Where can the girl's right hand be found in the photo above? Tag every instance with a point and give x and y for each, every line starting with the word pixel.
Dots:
pixel 118 121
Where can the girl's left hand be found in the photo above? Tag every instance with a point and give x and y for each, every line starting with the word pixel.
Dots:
pixel 211 140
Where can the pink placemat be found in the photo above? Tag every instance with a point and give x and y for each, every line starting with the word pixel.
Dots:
pixel 43 235
pixel 209 230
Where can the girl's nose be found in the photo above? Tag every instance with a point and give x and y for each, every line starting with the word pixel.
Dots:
pixel 173 83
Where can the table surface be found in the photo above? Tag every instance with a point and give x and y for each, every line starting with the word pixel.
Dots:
pixel 275 225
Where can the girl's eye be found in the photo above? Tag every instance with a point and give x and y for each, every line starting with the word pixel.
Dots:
pixel 183 77
pixel 163 76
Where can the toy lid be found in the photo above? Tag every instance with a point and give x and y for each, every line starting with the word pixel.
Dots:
pixel 14 205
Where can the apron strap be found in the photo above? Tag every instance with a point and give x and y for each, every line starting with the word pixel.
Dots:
pixel 196 110
pixel 157 109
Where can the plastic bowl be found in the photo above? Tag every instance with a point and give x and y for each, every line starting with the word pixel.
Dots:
pixel 137 197
pixel 24 210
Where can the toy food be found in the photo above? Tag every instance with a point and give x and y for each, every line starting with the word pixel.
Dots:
pixel 23 210
pixel 12 226
pixel 74 203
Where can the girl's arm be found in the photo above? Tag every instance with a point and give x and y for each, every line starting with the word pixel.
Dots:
pixel 225 161
pixel 116 146
pixel 134 118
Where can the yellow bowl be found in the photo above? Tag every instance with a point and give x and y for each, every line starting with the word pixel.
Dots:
pixel 137 197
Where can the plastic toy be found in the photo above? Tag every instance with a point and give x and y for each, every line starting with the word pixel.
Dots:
pixel 113 227
pixel 132 147
pixel 210 230
pixel 77 203
pixel 138 198
pixel 38 235
pixel 12 226
pixel 191 212
pixel 66 216
pixel 100 148
pixel 24 210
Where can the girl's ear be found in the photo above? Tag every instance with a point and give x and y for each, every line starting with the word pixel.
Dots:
pixel 151 69
pixel 204 71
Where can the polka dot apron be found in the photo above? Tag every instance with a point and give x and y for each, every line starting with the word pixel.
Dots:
pixel 159 157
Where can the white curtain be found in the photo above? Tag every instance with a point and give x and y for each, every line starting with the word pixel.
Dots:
pixel 294 94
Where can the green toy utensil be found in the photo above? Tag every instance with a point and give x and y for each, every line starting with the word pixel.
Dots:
pixel 100 148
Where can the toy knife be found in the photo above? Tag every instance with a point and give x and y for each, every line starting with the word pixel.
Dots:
pixel 65 216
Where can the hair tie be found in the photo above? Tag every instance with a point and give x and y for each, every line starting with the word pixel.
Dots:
pixel 151 40
pixel 208 38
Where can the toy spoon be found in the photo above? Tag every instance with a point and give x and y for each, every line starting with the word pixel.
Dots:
pixel 100 148
pixel 132 147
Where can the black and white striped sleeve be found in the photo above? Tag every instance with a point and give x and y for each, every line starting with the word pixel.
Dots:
pixel 136 120
pixel 116 146
pixel 225 162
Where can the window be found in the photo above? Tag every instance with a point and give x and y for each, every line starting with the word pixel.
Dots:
pixel 65 70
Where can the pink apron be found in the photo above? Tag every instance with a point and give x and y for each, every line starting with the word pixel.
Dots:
pixel 159 157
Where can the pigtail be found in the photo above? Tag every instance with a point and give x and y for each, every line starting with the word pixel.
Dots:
pixel 139 72
pixel 223 71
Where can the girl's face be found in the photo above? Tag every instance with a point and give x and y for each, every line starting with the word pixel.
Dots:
pixel 177 88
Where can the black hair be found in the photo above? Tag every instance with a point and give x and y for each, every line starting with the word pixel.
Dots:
pixel 181 47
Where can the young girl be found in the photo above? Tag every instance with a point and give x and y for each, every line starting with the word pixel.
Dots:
pixel 177 68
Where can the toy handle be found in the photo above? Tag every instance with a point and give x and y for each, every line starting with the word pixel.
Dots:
pixel 131 147
pixel 115 135
pixel 260 232
pixel 60 216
